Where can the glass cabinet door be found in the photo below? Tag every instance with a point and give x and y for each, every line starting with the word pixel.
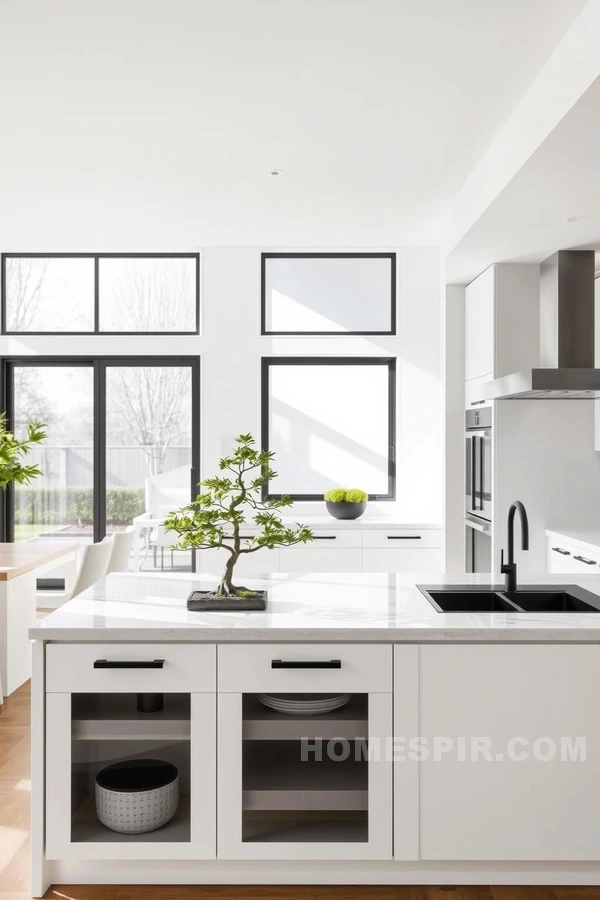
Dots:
pixel 88 732
pixel 304 775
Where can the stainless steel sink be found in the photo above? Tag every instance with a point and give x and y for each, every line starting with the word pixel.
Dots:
pixel 494 599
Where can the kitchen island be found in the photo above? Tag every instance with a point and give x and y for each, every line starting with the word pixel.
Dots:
pixel 468 750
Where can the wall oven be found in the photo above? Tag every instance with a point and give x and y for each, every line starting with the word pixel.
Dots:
pixel 478 546
pixel 478 459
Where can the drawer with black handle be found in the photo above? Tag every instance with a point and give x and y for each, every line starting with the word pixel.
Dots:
pixel 129 668
pixel 402 538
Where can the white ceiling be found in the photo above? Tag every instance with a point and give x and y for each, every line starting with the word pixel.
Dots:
pixel 529 220
pixel 152 124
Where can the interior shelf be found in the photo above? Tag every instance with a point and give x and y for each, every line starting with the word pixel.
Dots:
pixel 264 724
pixel 115 717
pixel 345 828
pixel 86 827
pixel 282 781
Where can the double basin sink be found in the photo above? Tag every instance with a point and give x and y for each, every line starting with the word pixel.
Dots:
pixel 494 599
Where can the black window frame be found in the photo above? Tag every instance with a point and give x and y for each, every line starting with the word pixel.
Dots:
pixel 99 364
pixel 263 296
pixel 390 361
pixel 96 257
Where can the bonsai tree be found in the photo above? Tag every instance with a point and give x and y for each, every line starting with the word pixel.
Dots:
pixel 14 451
pixel 220 512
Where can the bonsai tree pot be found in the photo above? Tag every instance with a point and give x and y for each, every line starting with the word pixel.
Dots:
pixel 345 510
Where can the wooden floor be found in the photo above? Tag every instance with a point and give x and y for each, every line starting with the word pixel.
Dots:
pixel 14 849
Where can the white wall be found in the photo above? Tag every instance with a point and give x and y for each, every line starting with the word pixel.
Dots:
pixel 545 457
pixel 230 347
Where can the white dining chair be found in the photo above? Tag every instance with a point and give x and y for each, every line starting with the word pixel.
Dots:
pixel 122 543
pixel 94 564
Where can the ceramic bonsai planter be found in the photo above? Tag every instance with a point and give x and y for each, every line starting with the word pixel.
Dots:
pixel 205 601
pixel 345 510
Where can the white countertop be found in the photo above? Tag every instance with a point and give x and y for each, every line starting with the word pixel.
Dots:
pixel 320 607
pixel 365 522
pixel 590 538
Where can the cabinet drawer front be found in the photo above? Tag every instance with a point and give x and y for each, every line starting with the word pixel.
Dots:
pixel 408 561
pixel 319 560
pixel 305 668
pixel 331 539
pixel 565 556
pixel 405 539
pixel 213 562
pixel 123 668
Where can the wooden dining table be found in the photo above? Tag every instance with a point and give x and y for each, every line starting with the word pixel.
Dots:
pixel 21 564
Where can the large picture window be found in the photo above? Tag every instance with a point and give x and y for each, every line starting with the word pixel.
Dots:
pixel 328 293
pixel 143 293
pixel 331 422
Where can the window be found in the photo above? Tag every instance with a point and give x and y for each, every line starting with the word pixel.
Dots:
pixel 143 293
pixel 331 422
pixel 328 293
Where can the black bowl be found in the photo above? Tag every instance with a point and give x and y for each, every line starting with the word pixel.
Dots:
pixel 346 510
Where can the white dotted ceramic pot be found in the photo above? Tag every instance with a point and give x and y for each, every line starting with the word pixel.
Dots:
pixel 137 796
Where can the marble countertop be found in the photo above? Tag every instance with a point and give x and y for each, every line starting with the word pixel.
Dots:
pixel 590 538
pixel 365 522
pixel 305 607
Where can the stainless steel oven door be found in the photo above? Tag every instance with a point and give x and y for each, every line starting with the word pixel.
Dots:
pixel 478 546
pixel 478 481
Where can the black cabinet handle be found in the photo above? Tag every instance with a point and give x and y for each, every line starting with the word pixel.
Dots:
pixel 481 475
pixel 129 664
pixel 404 537
pixel 324 537
pixel 588 562
pixel 562 552
pixel 306 664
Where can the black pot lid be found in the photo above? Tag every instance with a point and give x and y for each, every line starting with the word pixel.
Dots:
pixel 137 775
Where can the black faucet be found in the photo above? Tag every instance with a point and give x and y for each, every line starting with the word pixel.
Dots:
pixel 510 568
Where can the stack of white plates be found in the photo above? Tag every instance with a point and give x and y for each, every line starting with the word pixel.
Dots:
pixel 304 704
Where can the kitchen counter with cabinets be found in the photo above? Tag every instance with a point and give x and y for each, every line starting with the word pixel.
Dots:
pixel 572 552
pixel 455 754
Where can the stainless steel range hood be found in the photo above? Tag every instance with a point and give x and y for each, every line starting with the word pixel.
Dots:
pixel 566 336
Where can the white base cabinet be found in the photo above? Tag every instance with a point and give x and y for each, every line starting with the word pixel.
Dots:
pixel 444 755
pixel 310 787
pixel 511 791
pixel 394 549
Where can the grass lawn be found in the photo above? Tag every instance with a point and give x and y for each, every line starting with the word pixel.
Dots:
pixel 31 529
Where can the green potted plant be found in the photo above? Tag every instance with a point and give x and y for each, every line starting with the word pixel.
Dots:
pixel 13 452
pixel 215 519
pixel 346 503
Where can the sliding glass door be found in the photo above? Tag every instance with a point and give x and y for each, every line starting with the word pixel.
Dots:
pixel 122 449
pixel 59 504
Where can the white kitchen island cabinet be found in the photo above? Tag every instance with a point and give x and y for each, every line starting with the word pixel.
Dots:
pixel 347 796
pixel 515 793
pixel 92 721
pixel 304 788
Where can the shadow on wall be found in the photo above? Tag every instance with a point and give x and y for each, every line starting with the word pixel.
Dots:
pixel 301 443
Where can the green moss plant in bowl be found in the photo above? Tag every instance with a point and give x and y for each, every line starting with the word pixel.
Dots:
pixel 346 503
